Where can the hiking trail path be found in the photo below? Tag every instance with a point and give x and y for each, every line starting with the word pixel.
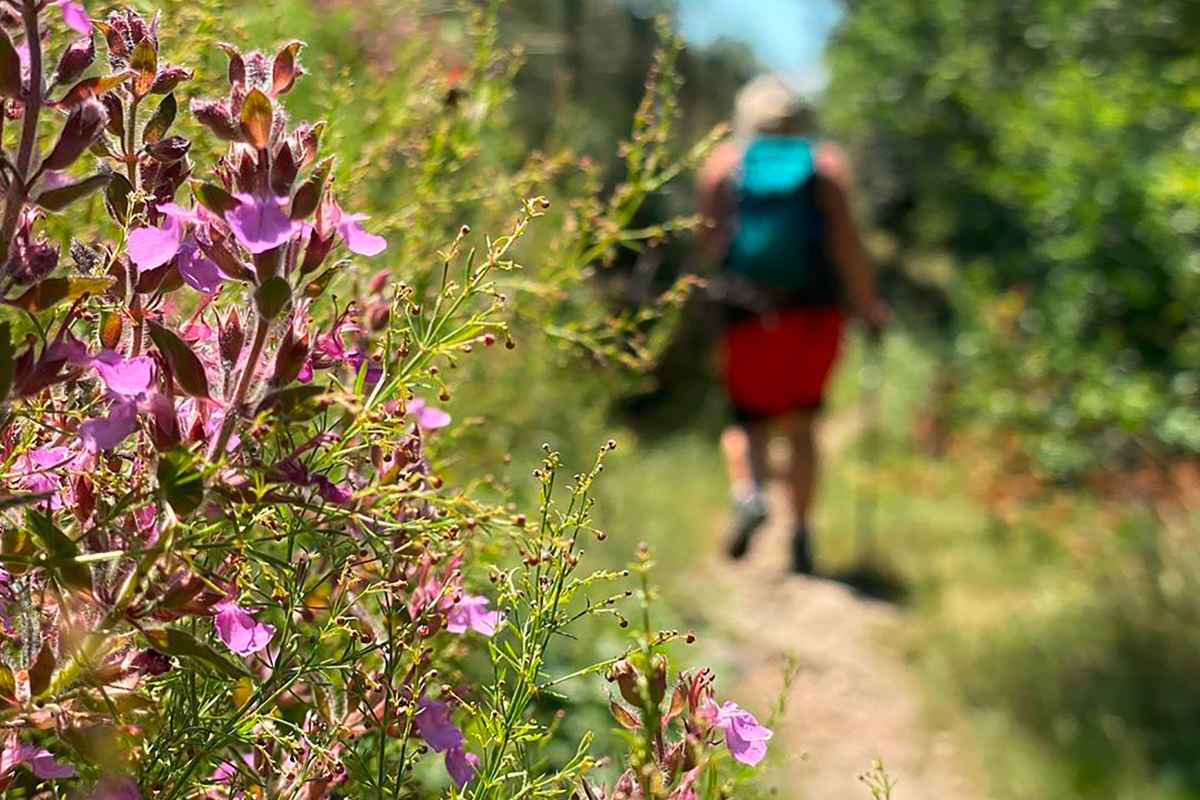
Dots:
pixel 853 699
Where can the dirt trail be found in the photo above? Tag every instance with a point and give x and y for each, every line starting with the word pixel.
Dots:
pixel 853 699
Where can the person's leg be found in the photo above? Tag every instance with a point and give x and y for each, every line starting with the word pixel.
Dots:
pixel 802 472
pixel 802 478
pixel 744 446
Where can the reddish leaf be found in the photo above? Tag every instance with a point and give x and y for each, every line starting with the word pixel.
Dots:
pixel 93 87
pixel 185 365
pixel 257 117
pixel 285 69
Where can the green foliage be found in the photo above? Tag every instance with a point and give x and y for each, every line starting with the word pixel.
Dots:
pixel 1047 147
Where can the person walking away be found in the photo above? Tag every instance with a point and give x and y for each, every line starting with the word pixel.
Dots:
pixel 778 222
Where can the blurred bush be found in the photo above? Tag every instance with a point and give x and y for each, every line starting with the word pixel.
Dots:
pixel 1047 148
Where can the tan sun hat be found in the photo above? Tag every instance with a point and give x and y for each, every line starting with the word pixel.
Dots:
pixel 769 104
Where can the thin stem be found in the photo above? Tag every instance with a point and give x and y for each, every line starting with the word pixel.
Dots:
pixel 243 386
pixel 135 301
pixel 18 189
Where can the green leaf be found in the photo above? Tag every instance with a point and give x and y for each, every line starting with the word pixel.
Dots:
pixel 289 401
pixel 10 67
pixel 214 198
pixel 160 122
pixel 257 116
pixel 180 482
pixel 6 360
pixel 60 198
pixel 272 297
pixel 116 197
pixel 144 63
pixel 182 644
pixel 185 365
pixel 53 291
pixel 61 551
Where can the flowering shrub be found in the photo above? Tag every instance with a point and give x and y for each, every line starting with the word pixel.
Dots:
pixel 232 563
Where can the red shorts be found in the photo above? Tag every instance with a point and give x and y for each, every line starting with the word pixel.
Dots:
pixel 780 362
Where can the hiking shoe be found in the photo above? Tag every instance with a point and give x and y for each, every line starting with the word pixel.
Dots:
pixel 748 515
pixel 802 561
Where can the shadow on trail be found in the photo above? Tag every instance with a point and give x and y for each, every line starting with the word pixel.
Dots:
pixel 872 580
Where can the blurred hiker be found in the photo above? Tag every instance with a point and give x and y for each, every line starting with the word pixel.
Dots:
pixel 778 220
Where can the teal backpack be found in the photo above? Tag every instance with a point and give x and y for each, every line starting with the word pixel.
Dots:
pixel 778 244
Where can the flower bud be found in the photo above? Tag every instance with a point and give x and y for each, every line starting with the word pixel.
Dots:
pixel 230 339
pixel 290 358
pixel 625 675
pixel 170 149
pixel 218 118
pixel 75 60
pixel 658 678
pixel 169 77
pixel 317 251
pixel 116 114
pixel 84 126
pixel 84 497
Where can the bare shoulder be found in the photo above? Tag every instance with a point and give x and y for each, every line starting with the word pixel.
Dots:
pixel 720 165
pixel 832 162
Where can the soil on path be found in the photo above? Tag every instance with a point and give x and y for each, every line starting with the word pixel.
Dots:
pixel 853 698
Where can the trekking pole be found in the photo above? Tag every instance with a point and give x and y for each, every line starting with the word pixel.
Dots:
pixel 870 407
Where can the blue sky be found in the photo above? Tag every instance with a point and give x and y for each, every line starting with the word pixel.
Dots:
pixel 788 35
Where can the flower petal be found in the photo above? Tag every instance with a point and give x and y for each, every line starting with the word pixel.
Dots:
pixel 434 725
pixel 105 433
pixel 153 247
pixel 124 376
pixel 75 16
pixel 238 629
pixel 259 223
pixel 198 271
pixel 461 765
pixel 357 239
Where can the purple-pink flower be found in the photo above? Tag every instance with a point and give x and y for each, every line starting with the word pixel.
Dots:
pixel 428 417
pixel 40 760
pixel 461 765
pixel 75 16
pixel 152 247
pixel 259 222
pixel 128 377
pixel 105 433
pixel 471 612
pixel 434 726
pixel 744 736
pixel 238 629
pixel 357 240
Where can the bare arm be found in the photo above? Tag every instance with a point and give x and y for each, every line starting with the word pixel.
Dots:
pixel 716 201
pixel 854 264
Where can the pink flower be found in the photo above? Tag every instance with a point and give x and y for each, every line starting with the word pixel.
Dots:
pixel 238 629
pixel 75 16
pixel 152 247
pixel 40 760
pixel 427 417
pixel 434 726
pixel 461 765
pixel 36 469
pixel 197 270
pixel 685 790
pixel 744 736
pixel 128 377
pixel 105 433
pixel 472 612
pixel 356 239
pixel 259 222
